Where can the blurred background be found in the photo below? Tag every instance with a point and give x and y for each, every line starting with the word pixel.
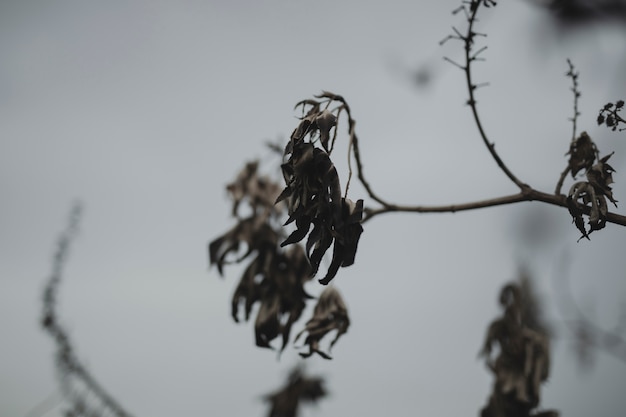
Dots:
pixel 144 110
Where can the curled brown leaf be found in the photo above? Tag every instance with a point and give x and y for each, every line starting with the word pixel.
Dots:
pixel 330 314
pixel 583 153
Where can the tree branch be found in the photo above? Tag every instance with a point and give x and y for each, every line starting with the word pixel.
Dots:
pixel 468 39
pixel 529 194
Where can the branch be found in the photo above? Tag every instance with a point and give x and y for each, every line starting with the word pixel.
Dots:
pixel 588 333
pixel 574 76
pixel 529 194
pixel 470 57
pixel 77 384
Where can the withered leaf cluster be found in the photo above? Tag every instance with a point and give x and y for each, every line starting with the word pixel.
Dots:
pixel 588 198
pixel 330 314
pixel 313 193
pixel 523 358
pixel 582 153
pixel 274 277
pixel 609 116
pixel 299 388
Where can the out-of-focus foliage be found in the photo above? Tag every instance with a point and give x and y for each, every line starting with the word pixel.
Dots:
pixel 274 277
pixel 609 116
pixel 522 361
pixel 298 389
pixel 330 314
pixel 576 13
pixel 83 394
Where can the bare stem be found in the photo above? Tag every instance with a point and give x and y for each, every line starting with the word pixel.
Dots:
pixel 574 76
pixel 469 38
pixel 526 195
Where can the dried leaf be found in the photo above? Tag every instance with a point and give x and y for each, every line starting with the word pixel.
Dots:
pixel 325 121
pixel 254 232
pixel 330 314
pixel 600 176
pixel 583 153
pixel 276 281
pixel 259 191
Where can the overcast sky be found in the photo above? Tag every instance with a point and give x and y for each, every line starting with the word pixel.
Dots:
pixel 144 110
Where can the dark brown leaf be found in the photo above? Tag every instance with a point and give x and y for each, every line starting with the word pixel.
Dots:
pixel 276 281
pixel 253 232
pixel 330 314
pixel 600 176
pixel 583 153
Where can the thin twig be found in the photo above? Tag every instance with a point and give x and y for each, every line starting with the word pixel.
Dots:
pixel 574 76
pixel 468 38
pixel 559 183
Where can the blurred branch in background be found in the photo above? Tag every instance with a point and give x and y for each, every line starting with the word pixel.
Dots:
pixel 588 335
pixel 83 394
pixel 299 388
pixel 522 362
pixel 578 13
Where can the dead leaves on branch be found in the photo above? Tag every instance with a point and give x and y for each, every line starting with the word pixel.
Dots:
pixel 313 192
pixel 588 198
pixel 259 191
pixel 583 153
pixel 609 116
pixel 274 278
pixel 523 360
pixel 254 233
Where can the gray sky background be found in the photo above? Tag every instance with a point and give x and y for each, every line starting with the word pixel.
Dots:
pixel 144 110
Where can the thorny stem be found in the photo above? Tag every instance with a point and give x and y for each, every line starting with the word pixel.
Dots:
pixel 471 87
pixel 574 76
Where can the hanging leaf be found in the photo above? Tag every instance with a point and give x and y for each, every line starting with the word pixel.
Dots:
pixel 253 232
pixel 600 176
pixel 259 191
pixel 583 153
pixel 523 359
pixel 330 314
pixel 276 281
pixel 589 198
